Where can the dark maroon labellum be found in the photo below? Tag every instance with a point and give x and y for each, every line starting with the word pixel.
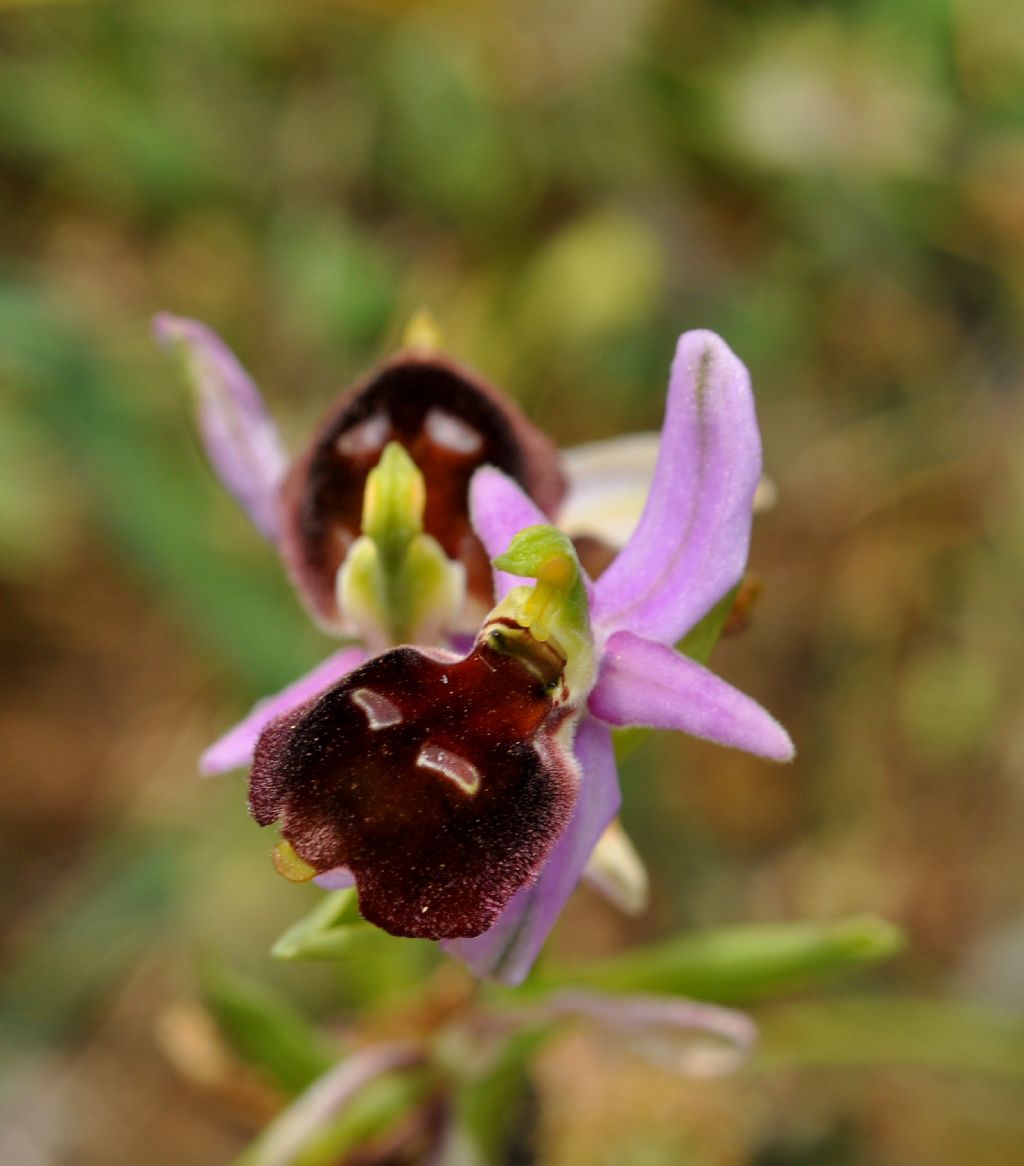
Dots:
pixel 439 784
pixel 451 422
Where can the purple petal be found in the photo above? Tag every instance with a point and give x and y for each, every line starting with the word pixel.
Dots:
pixel 241 440
pixel 649 684
pixel 668 1031
pixel 499 510
pixel 507 950
pixel 339 879
pixel 691 543
pixel 235 748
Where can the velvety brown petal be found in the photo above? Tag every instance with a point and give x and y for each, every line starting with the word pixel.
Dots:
pixel 442 784
pixel 451 422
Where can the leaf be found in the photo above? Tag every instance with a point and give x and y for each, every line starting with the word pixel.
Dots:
pixel 699 642
pixel 741 964
pixel 493 1102
pixel 936 1034
pixel 82 942
pixel 362 1097
pixel 265 1030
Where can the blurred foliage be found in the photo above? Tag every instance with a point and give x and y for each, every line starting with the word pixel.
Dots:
pixel 838 188
pixel 265 1030
pixel 741 964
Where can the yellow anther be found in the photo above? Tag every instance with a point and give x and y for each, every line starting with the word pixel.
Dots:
pixel 554 577
pixel 555 609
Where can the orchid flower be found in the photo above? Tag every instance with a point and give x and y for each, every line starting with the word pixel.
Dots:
pixel 688 550
pixel 465 797
pixel 377 507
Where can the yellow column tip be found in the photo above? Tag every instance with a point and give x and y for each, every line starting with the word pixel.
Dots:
pixel 422 332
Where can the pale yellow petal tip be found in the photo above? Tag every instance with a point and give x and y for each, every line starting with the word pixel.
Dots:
pixel 765 496
pixel 617 871
pixel 288 864
pixel 423 332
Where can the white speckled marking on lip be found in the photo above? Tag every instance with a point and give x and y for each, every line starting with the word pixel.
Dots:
pixel 452 432
pixel 380 712
pixel 450 765
pixel 365 436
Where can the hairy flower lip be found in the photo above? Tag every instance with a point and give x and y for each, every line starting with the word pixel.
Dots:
pixel 441 784
pixel 321 498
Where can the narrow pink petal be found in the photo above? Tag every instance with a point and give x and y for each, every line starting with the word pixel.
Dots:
pixel 648 684
pixel 499 510
pixel 683 1036
pixel 235 748
pixel 241 440
pixel 691 543
pixel 508 949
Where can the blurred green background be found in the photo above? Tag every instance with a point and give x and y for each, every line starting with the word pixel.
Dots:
pixel 838 188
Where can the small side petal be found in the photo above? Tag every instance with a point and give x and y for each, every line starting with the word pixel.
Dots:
pixel 691 543
pixel 235 748
pixel 617 871
pixel 339 879
pixel 507 950
pixel 648 684
pixel 499 510
pixel 240 437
